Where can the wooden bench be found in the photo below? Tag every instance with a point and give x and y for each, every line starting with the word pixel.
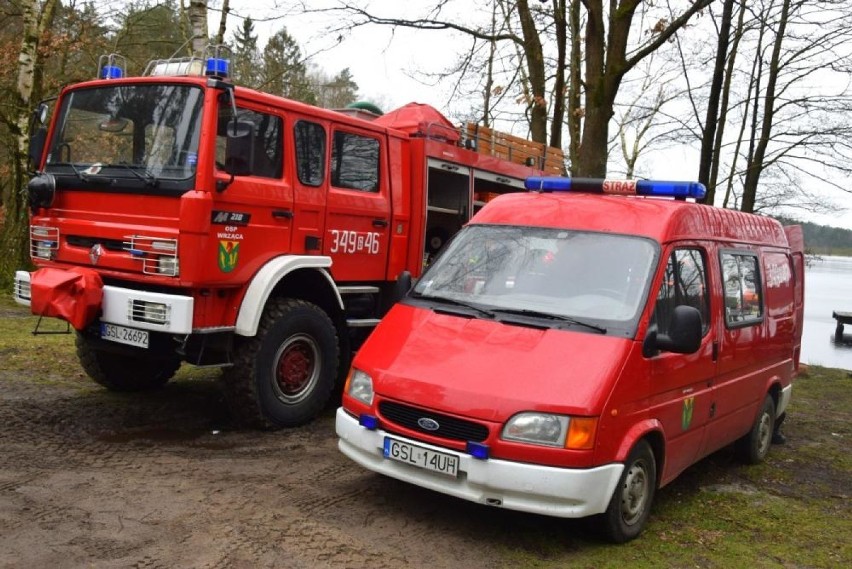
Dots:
pixel 842 318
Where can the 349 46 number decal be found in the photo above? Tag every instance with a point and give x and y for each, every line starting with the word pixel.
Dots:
pixel 345 241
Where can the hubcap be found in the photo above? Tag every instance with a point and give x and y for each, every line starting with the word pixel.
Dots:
pixel 296 368
pixel 634 493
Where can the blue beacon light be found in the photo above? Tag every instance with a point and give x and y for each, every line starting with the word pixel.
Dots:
pixel 657 188
pixel 216 67
pixel 112 72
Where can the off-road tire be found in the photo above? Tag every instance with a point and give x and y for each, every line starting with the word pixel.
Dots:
pixel 125 372
pixel 754 447
pixel 284 375
pixel 630 506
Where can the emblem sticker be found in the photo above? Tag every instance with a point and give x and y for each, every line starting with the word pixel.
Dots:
pixel 686 416
pixel 230 217
pixel 228 253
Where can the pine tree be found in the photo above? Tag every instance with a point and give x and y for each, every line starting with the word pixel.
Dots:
pixel 245 63
pixel 284 70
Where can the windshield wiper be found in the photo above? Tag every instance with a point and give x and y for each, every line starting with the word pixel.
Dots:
pixel 150 180
pixel 443 299
pixel 548 316
pixel 81 175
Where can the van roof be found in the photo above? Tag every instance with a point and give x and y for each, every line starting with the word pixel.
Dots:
pixel 663 220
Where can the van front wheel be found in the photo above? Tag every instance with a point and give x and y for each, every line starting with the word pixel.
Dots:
pixel 630 506
pixel 754 447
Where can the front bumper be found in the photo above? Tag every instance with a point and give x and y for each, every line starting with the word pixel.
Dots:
pixel 546 490
pixel 130 307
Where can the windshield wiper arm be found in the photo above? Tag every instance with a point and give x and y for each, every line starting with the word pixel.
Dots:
pixel 548 316
pixel 443 299
pixel 150 180
pixel 82 175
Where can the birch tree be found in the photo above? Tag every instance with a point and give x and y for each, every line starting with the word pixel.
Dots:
pixel 37 20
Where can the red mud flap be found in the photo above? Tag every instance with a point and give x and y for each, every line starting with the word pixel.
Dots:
pixel 72 294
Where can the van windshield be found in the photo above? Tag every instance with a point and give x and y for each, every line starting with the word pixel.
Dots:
pixel 591 277
pixel 144 134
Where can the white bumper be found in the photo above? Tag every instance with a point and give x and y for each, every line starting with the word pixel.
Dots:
pixel 170 313
pixel 547 490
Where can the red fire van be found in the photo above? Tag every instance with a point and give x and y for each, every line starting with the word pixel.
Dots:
pixel 571 352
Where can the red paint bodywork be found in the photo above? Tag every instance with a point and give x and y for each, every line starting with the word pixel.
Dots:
pixel 400 204
pixel 486 371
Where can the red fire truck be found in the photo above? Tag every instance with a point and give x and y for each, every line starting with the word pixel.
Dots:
pixel 178 217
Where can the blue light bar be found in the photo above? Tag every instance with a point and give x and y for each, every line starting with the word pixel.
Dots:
pixel 370 422
pixel 112 72
pixel 657 188
pixel 477 450
pixel 217 67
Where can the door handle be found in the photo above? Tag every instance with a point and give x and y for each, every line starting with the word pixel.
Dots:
pixel 282 214
pixel 380 223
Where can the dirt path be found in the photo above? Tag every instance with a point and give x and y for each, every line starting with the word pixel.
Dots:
pixel 89 478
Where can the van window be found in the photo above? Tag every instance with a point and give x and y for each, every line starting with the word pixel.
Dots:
pixel 684 283
pixel 743 290
pixel 355 162
pixel 310 152
pixel 268 145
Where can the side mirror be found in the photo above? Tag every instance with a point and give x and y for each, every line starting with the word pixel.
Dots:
pixel 239 148
pixel 684 337
pixel 38 135
pixel 401 287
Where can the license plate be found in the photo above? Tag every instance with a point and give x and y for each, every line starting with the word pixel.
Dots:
pixel 124 335
pixel 421 457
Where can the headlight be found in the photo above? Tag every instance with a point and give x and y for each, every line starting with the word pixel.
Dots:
pixel 537 428
pixel 361 386
pixel 168 266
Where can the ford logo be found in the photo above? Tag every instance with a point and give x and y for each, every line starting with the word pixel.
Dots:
pixel 428 424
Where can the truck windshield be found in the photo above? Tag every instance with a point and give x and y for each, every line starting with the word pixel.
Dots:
pixel 593 278
pixel 145 133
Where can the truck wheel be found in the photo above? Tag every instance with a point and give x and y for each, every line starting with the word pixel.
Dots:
pixel 630 506
pixel 283 376
pixel 123 372
pixel 754 447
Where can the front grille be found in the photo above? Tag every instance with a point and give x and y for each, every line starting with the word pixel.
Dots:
pixel 89 242
pixel 449 427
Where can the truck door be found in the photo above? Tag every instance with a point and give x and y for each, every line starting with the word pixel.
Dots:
pixel 310 143
pixel 250 218
pixel 681 383
pixel 358 209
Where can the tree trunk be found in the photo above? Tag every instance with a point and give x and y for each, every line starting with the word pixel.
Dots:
pixel 223 22
pixel 535 66
pixel 37 18
pixel 755 167
pixel 559 94
pixel 198 25
pixel 709 135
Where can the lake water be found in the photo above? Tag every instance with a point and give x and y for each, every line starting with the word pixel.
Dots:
pixel 828 288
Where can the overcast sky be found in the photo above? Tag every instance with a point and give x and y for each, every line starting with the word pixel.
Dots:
pixel 385 64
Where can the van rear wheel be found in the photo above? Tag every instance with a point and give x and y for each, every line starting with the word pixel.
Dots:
pixel 630 506
pixel 754 447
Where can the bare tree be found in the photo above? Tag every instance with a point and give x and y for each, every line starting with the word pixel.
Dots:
pixel 605 55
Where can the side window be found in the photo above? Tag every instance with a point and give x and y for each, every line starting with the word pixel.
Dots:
pixel 355 162
pixel 684 283
pixel 267 141
pixel 310 152
pixel 743 289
